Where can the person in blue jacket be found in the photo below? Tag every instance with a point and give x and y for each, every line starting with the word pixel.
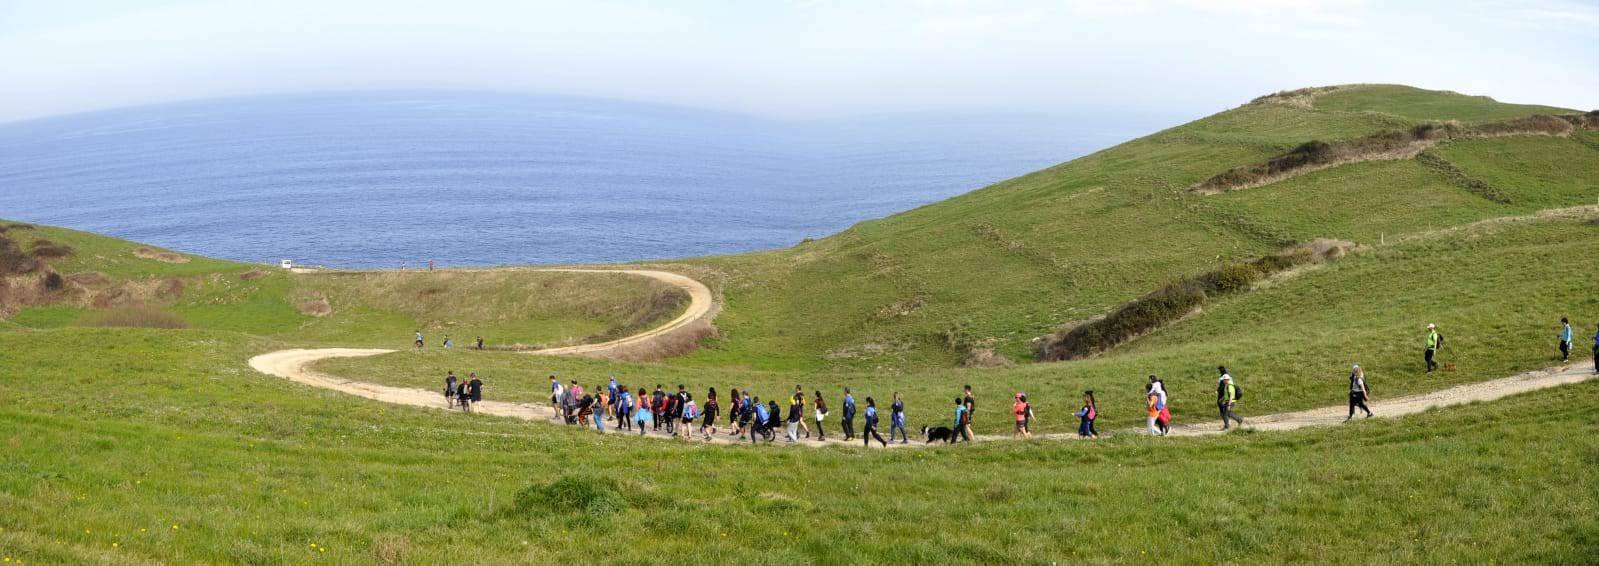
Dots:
pixel 849 416
pixel 871 425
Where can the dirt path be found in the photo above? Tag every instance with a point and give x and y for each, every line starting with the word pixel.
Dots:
pixel 291 364
pixel 701 306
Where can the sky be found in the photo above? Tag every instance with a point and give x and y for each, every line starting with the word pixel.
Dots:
pixel 797 59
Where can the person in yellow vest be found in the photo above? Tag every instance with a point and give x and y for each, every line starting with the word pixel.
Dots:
pixel 1435 342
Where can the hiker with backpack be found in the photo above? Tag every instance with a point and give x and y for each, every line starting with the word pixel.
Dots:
pixel 601 409
pixel 1565 340
pixel 758 419
pixel 712 407
pixel 961 416
pixel 971 413
pixel 1227 396
pixel 449 389
pixel 871 425
pixel 1358 393
pixel 1162 408
pixel 774 420
pixel 821 413
pixel 1086 416
pixel 624 408
pixel 1019 408
pixel 691 411
pixel 896 417
pixel 463 396
pixel 796 410
pixel 1435 342
pixel 1152 406
pixel 419 339
pixel 474 389
pixel 641 415
pixel 849 416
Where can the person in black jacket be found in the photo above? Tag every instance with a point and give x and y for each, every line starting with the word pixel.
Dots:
pixel 774 420
pixel 474 389
pixel 449 389
pixel 796 406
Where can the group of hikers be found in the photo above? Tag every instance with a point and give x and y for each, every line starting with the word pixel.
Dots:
pixel 462 393
pixel 675 413
pixel 448 342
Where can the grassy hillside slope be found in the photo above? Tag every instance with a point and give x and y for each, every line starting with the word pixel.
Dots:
pixel 112 282
pixel 1005 264
pixel 160 446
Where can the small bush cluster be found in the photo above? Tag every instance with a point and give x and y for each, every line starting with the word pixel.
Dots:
pixel 570 494
pixel 13 261
pixel 46 249
pixel 1394 144
pixel 1460 179
pixel 1166 305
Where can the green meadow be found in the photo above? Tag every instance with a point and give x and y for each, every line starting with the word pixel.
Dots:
pixel 135 432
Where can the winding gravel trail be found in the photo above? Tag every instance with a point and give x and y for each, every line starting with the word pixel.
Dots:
pixel 292 365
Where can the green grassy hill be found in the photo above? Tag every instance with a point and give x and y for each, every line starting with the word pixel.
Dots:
pixel 111 282
pixel 126 443
pixel 1003 265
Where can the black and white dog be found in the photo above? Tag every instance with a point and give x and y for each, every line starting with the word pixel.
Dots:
pixel 943 433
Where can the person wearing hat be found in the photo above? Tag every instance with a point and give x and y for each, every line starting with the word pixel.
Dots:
pixel 1226 398
pixel 1434 343
pixel 1358 392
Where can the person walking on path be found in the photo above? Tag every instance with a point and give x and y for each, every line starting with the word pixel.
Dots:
pixel 712 407
pixel 961 417
pixel 600 409
pixel 1435 342
pixel 624 408
pixel 1358 394
pixel 463 396
pixel 871 425
pixel 474 388
pixel 448 343
pixel 691 411
pixel 556 392
pixel 971 413
pixel 1226 398
pixel 449 389
pixel 1565 340
pixel 419 339
pixel 1162 409
pixel 480 343
pixel 1086 416
pixel 1152 405
pixel 796 416
pixel 849 416
pixel 641 416
pixel 1019 408
pixel 1596 350
pixel 896 416
pixel 821 413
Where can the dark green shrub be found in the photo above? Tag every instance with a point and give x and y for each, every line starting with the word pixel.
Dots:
pixel 579 494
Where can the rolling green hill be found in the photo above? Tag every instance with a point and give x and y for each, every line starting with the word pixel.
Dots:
pixel 1000 266
pixel 134 431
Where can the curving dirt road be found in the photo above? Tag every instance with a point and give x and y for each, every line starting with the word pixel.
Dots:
pixel 291 365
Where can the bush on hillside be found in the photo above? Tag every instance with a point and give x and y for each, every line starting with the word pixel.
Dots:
pixel 1174 301
pixel 1394 144
pixel 54 282
pixel 13 261
pixel 46 249
pixel 134 316
pixel 570 494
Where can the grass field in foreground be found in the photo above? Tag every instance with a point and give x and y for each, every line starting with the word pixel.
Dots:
pixel 161 446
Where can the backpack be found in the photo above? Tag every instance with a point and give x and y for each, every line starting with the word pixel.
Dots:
pixel 1440 345
pixel 1238 393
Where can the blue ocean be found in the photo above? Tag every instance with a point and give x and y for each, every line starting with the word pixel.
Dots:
pixel 380 179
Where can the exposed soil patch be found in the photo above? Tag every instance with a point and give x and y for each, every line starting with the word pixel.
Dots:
pixel 317 308
pixel 165 257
